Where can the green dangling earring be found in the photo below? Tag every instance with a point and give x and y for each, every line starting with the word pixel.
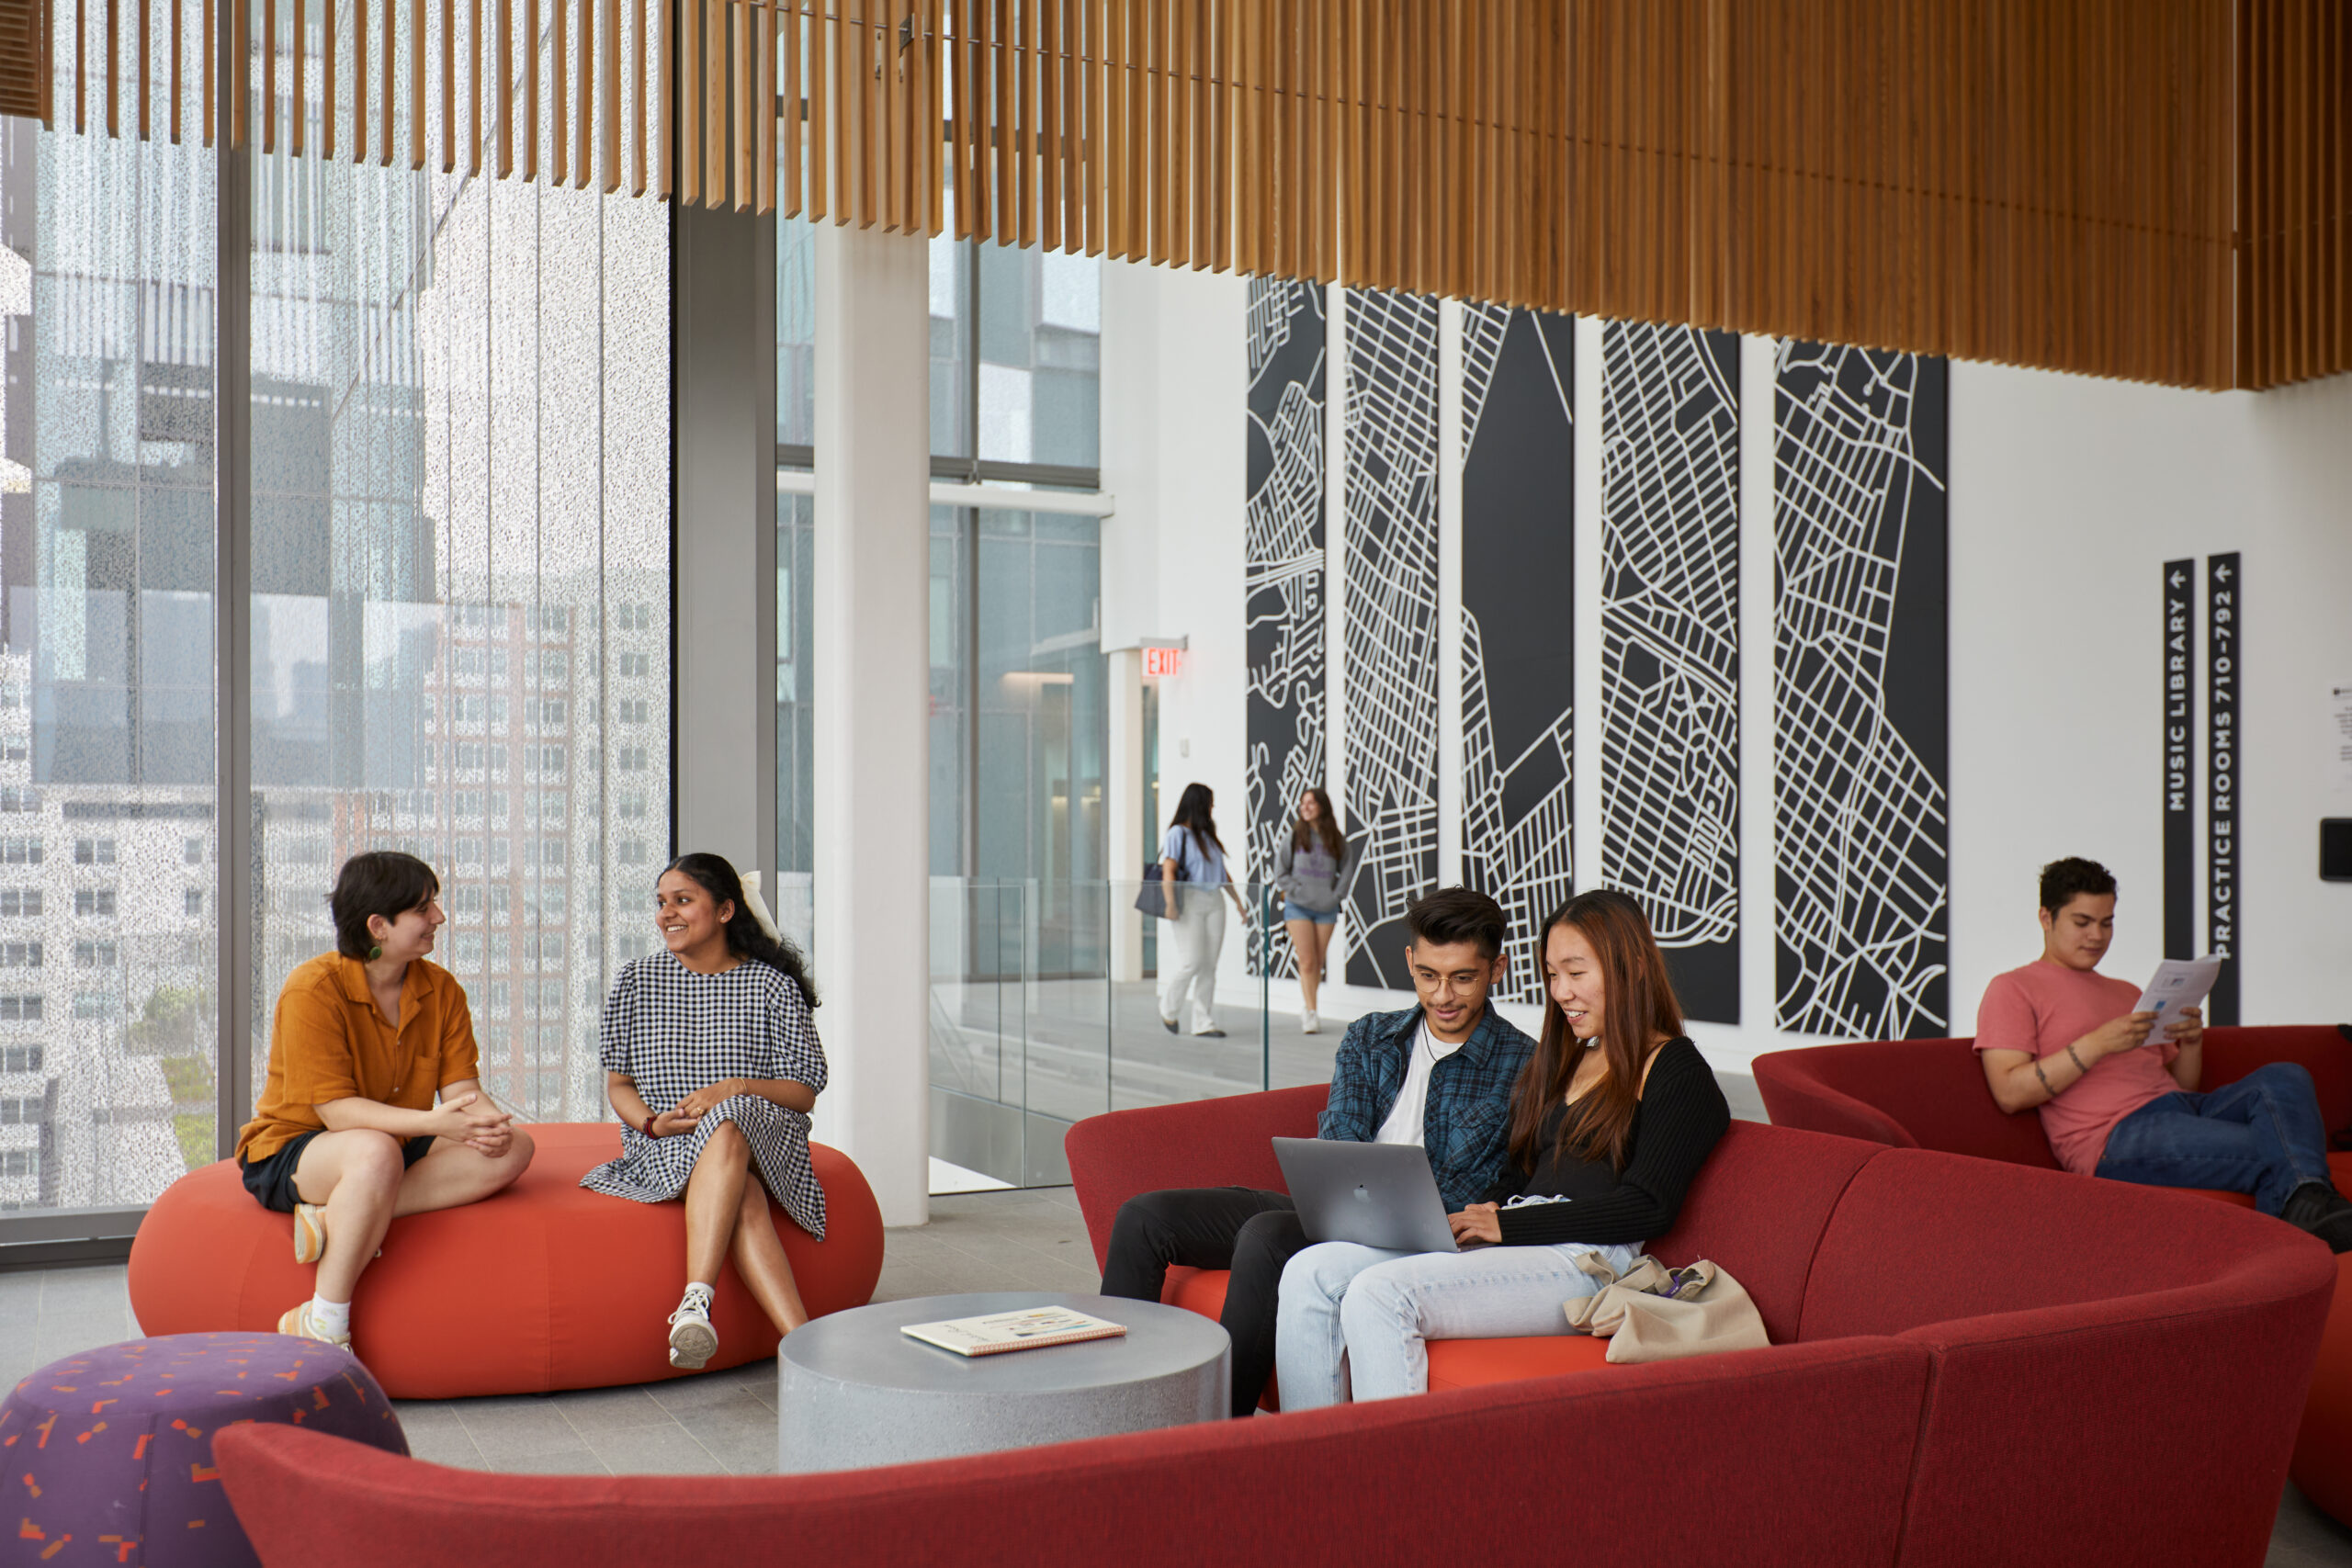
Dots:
pixel 376 951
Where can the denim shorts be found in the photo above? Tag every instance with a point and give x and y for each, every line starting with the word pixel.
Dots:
pixel 1301 912
pixel 271 1179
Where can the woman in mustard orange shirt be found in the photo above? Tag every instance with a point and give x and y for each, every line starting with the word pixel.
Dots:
pixel 348 1136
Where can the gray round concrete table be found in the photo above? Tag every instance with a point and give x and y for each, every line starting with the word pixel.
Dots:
pixel 853 1392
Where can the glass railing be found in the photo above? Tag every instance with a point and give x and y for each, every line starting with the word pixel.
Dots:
pixel 1047 1006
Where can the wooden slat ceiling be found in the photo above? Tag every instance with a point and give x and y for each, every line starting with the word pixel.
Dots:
pixel 2153 189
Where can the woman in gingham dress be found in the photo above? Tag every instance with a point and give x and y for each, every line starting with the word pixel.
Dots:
pixel 713 1062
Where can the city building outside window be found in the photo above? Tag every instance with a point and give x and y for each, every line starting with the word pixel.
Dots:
pixel 457 431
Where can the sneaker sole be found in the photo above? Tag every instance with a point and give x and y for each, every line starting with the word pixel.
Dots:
pixel 293 1325
pixel 310 1236
pixel 691 1345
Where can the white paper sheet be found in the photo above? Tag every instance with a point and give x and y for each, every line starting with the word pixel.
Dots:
pixel 2179 982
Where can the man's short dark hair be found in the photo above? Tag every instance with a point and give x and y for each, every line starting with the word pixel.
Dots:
pixel 2065 880
pixel 1456 914
pixel 382 882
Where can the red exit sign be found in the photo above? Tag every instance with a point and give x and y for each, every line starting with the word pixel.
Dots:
pixel 1163 661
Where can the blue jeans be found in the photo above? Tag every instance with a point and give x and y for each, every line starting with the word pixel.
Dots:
pixel 2261 1134
pixel 1355 1321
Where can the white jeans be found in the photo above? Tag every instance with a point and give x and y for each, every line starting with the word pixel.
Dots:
pixel 1188 955
pixel 1361 1316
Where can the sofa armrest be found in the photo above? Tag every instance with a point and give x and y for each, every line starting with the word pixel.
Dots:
pixel 2318 1049
pixel 1795 1097
pixel 2073 1379
pixel 1202 1142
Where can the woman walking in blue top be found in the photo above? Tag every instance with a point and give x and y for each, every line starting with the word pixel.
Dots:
pixel 1192 870
pixel 1312 870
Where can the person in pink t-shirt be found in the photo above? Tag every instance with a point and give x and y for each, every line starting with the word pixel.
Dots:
pixel 2060 1035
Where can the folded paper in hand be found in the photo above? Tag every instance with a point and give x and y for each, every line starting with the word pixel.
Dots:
pixel 1652 1313
pixel 2177 983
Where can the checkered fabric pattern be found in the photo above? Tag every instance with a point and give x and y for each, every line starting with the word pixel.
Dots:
pixel 673 1031
pixel 1469 1104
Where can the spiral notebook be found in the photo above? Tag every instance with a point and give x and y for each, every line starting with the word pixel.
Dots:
pixel 1001 1331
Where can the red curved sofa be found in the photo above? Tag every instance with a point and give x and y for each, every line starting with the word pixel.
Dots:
pixel 1930 1094
pixel 1940 1323
pixel 575 1284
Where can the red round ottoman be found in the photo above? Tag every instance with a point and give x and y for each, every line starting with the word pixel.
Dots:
pixel 107 1455
pixel 545 1286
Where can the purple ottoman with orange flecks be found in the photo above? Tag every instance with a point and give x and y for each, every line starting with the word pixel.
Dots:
pixel 106 1456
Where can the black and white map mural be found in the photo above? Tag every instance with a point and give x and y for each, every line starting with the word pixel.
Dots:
pixel 1861 707
pixel 1518 669
pixel 1389 627
pixel 1283 564
pixel 1670 646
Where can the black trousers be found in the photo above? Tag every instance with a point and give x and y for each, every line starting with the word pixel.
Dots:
pixel 1253 1234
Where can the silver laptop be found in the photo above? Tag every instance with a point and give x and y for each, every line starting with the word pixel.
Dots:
pixel 1375 1194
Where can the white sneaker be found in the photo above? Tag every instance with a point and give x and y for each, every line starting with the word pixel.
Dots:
pixel 299 1323
pixel 1307 1023
pixel 693 1341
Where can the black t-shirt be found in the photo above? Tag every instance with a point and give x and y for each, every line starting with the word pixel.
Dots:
pixel 1681 1116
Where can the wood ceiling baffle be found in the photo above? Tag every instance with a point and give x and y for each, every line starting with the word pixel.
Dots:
pixel 2159 190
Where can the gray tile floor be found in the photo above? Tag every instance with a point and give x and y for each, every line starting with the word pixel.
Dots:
pixel 725 1422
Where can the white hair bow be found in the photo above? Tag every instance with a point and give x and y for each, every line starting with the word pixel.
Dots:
pixel 759 905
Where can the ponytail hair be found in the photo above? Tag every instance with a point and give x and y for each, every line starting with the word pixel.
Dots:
pixel 746 937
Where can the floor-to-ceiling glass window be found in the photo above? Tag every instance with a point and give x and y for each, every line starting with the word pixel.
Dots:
pixel 460 593
pixel 1039 359
pixel 107 1052
pixel 795 559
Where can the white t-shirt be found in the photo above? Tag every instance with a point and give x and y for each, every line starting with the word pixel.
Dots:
pixel 1410 1113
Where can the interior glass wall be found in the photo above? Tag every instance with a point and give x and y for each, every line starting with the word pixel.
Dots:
pixel 107 847
pixel 462 580
pixel 1020 713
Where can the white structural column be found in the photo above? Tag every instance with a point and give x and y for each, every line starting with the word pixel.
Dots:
pixel 1450 748
pixel 872 723
pixel 1584 745
pixel 1758 880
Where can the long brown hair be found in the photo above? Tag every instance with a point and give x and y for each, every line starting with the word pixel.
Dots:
pixel 1637 1008
pixel 1324 827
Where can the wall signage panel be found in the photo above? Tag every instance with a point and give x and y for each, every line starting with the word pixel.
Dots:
pixel 2180 758
pixel 1518 664
pixel 2224 744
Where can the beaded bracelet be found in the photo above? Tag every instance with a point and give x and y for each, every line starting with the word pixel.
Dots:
pixel 2085 1066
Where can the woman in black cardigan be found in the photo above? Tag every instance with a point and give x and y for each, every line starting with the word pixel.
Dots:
pixel 1611 1120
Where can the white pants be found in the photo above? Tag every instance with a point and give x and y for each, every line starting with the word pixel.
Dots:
pixel 1360 1317
pixel 1188 952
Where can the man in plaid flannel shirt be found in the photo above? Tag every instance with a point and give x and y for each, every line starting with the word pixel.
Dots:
pixel 1439 1074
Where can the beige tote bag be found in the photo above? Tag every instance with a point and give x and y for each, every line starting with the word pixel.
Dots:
pixel 1652 1313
